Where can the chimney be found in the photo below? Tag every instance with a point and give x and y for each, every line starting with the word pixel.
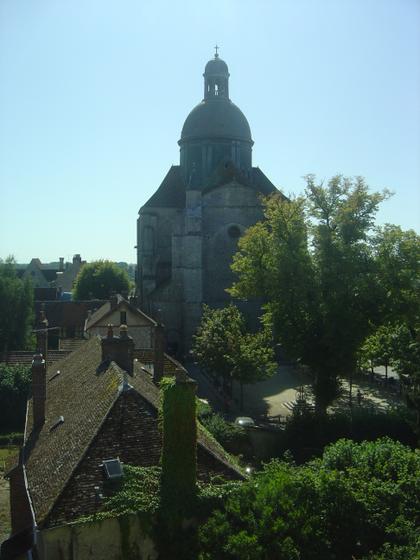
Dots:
pixel 118 349
pixel 42 335
pixel 77 259
pixel 159 349
pixel 61 266
pixel 179 447
pixel 39 390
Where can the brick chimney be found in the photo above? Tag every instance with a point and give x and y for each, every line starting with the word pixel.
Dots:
pixel 61 266
pixel 39 390
pixel 118 349
pixel 159 349
pixel 179 446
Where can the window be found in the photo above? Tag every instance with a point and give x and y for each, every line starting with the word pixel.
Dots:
pixel 123 317
pixel 113 468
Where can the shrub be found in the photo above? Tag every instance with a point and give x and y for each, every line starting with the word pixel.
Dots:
pixel 14 390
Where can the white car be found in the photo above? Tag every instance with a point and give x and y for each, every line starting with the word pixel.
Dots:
pixel 244 421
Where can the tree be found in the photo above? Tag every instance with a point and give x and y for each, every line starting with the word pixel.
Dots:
pixel 359 499
pixel 100 279
pixel 397 256
pixel 224 348
pixel 379 348
pixel 16 305
pixel 14 390
pixel 312 262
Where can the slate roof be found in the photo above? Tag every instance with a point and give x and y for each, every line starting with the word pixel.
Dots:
pixel 171 193
pixel 67 313
pixel 24 358
pixel 84 394
pixel 106 308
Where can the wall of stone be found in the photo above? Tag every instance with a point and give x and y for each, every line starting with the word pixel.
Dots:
pixel 114 539
pixel 227 212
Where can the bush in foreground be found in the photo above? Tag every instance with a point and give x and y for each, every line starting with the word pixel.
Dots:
pixel 358 501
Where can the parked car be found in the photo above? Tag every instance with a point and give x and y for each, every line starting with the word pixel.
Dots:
pixel 244 421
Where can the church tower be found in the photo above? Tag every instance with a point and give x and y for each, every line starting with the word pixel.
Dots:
pixel 187 232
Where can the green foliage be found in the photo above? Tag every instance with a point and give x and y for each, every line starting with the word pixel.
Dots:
pixel 15 384
pixel 179 459
pixel 312 262
pixel 138 493
pixel 224 348
pixel 224 432
pixel 397 256
pixel 16 304
pixel 307 434
pixel 350 503
pixel 379 347
pixel 99 280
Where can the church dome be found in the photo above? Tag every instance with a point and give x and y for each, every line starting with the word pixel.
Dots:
pixel 216 67
pixel 216 116
pixel 216 119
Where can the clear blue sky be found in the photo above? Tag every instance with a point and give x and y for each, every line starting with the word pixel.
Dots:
pixel 93 95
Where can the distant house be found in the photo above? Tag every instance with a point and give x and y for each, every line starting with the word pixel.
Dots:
pixel 98 404
pixel 119 311
pixel 58 275
pixel 67 318
pixel 65 278
pixel 41 275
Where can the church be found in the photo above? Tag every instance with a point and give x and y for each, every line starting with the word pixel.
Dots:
pixel 188 231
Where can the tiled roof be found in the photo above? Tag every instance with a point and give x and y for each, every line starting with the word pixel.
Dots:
pixel 67 313
pixel 24 358
pixel 83 397
pixel 146 356
pixel 84 393
pixel 171 193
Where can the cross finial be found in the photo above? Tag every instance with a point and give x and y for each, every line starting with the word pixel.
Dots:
pixel 216 48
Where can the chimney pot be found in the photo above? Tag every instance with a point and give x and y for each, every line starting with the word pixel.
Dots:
pixel 110 332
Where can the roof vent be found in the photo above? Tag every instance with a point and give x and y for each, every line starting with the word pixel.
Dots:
pixel 57 423
pixel 56 374
pixel 113 468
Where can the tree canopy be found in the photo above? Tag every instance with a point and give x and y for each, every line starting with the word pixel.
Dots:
pixel 99 280
pixel 224 348
pixel 14 390
pixel 358 501
pixel 312 262
pixel 16 305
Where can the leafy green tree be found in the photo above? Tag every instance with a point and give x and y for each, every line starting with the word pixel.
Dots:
pixel 224 348
pixel 16 305
pixel 397 256
pixel 359 499
pixel 100 279
pixel 379 348
pixel 311 260
pixel 14 390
